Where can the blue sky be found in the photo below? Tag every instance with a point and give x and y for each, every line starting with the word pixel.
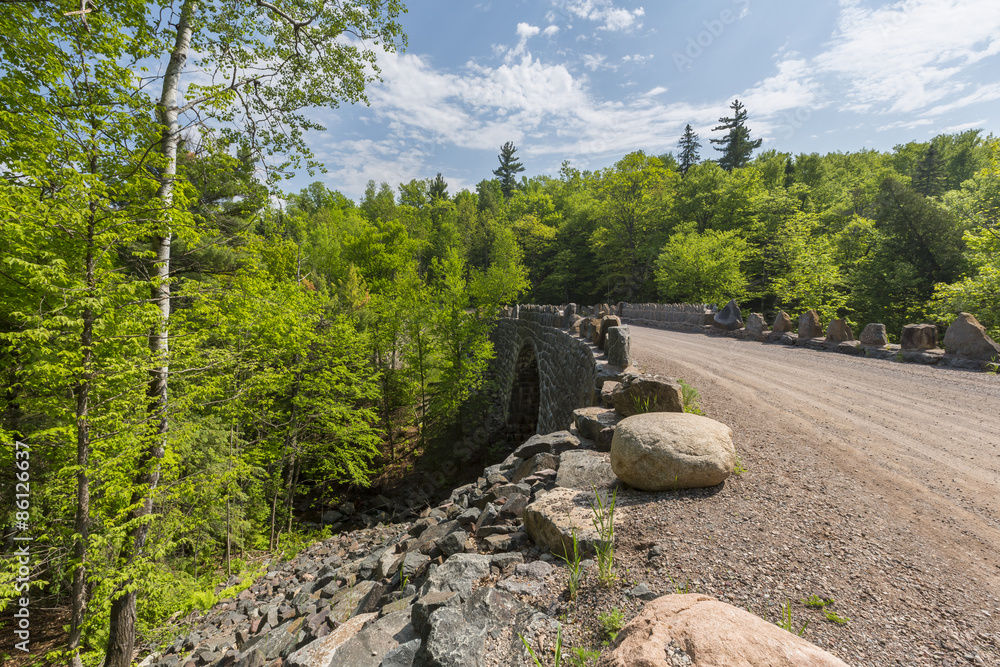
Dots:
pixel 591 80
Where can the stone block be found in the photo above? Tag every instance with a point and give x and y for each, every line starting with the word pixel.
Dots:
pixel 918 337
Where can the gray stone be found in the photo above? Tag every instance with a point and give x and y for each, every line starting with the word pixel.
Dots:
pixel 661 451
pixel 551 443
pixel 642 592
pixel 426 605
pixel 413 564
pixel 537 569
pixel 537 462
pixel 590 422
pixel 608 322
pixel 488 624
pixel 838 332
pixel 509 542
pixel 607 394
pixel 729 318
pixel 585 469
pixel 618 346
pixel 569 314
pixel 918 337
pixel 453 542
pixel 650 393
pixel 458 574
pixel 966 337
pixel 514 507
pixel 874 335
pixel 369 647
pixel 505 560
pixel 402 656
pixel 488 517
pixel 468 517
pixel 453 641
pixel 756 325
pixel 554 516
pixel 320 652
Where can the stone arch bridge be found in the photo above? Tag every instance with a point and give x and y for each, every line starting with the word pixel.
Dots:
pixel 542 370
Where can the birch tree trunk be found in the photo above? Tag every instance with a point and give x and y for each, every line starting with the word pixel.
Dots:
pixel 121 641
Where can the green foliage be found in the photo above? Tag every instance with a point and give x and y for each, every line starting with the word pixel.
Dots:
pixel 816 601
pixel 557 649
pixel 612 622
pixel 785 622
pixel 575 571
pixel 703 267
pixel 736 146
pixel 581 657
pixel 642 405
pixel 604 523
pixel 690 397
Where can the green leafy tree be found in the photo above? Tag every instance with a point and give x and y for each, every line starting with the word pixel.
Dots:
pixel 702 267
pixel 736 146
pixel 634 195
pixel 508 170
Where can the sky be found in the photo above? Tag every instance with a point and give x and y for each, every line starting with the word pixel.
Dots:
pixel 591 80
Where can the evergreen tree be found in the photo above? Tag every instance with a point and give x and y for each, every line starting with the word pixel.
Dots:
pixel 439 187
pixel 736 147
pixel 930 175
pixel 508 170
pixel 689 146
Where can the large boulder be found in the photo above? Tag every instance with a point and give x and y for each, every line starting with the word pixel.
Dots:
pixel 554 516
pixel 618 346
pixel 966 337
pixel 711 634
pixel 585 469
pixel 918 337
pixel 729 318
pixel 756 325
pixel 488 625
pixel 648 393
pixel 782 323
pixel 809 325
pixel 874 335
pixel 459 573
pixel 607 322
pixel 369 647
pixel 660 451
pixel 320 652
pixel 839 332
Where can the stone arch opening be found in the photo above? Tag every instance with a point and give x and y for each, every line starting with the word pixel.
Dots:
pixel 525 396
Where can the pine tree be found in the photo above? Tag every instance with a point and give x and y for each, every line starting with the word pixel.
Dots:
pixel 736 146
pixel 689 146
pixel 929 176
pixel 439 187
pixel 508 170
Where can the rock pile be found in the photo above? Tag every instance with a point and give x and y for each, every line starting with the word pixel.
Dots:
pixel 453 587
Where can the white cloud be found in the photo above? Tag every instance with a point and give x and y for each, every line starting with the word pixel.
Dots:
pixel 604 12
pixel 550 30
pixel 910 55
pixel 659 90
pixel 637 58
pixel 596 61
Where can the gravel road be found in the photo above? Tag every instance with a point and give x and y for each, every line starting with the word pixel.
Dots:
pixel 871 482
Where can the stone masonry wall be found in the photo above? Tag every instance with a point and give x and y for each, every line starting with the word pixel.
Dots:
pixel 697 314
pixel 566 365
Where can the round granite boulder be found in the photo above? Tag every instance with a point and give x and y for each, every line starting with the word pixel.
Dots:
pixel 661 451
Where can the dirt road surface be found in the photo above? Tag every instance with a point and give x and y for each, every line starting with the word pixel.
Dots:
pixel 875 483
